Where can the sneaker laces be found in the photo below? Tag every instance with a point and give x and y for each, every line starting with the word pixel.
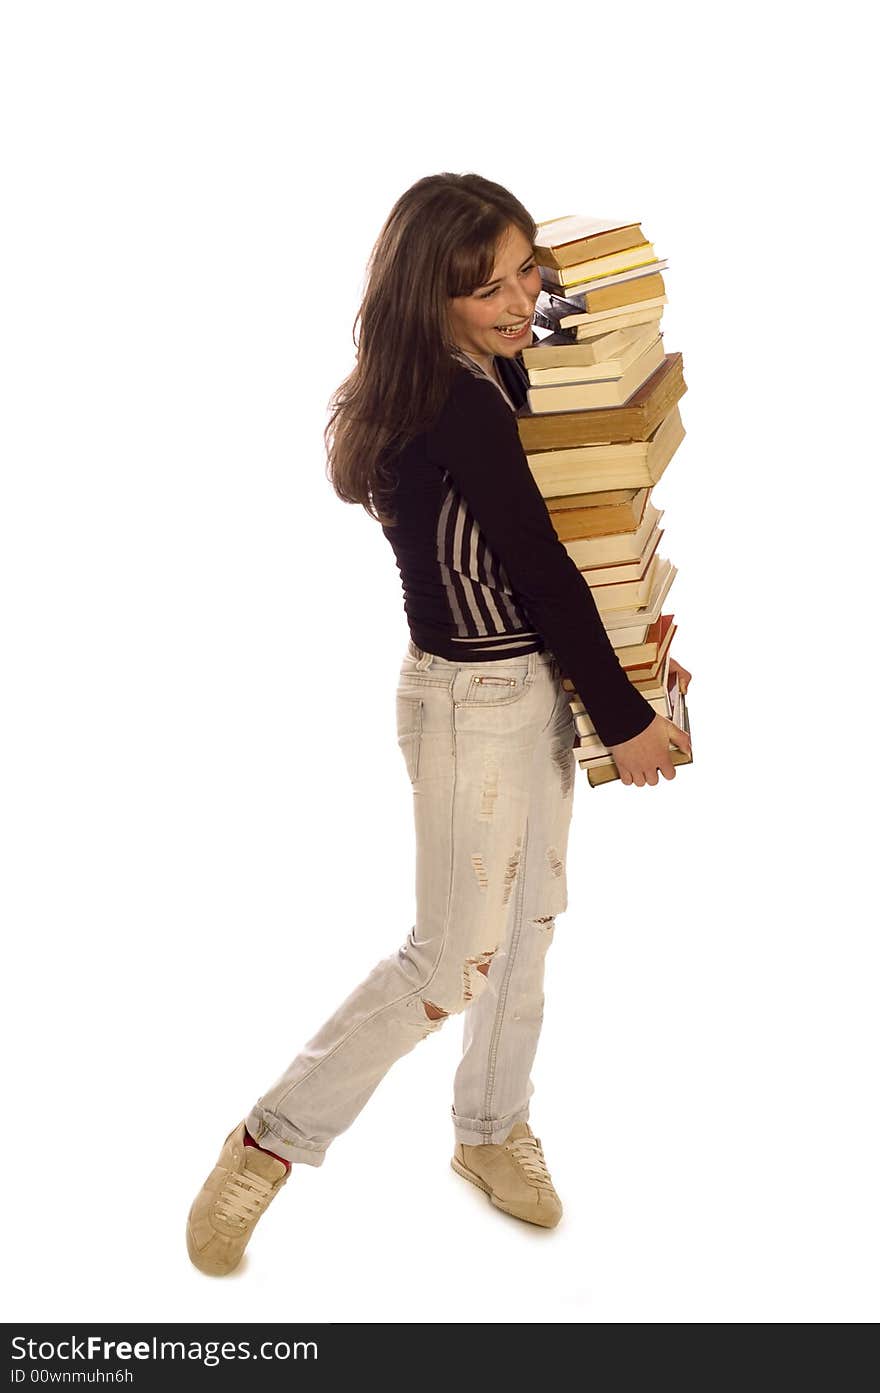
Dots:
pixel 529 1155
pixel 244 1197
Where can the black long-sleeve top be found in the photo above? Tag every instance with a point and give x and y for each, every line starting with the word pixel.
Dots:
pixel 484 574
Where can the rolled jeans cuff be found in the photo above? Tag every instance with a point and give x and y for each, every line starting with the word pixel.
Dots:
pixel 270 1140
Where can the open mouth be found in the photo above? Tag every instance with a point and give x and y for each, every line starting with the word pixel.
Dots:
pixel 514 331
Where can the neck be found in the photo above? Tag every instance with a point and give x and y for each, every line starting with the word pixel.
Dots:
pixel 485 361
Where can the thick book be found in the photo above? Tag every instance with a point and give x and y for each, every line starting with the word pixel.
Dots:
pixel 579 293
pixel 584 292
pixel 632 634
pixel 588 469
pixel 629 289
pixel 664 575
pixel 625 594
pixel 644 675
pixel 609 391
pixel 652 651
pixel 561 316
pixel 629 345
pixel 576 523
pixel 567 240
pixel 587 326
pixel 595 267
pixel 618 571
pixel 636 420
pixel 621 572
pixel 622 540
pixel 562 351
pixel 657 687
pixel 596 499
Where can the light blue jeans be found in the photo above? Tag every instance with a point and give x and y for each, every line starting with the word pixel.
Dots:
pixel 489 749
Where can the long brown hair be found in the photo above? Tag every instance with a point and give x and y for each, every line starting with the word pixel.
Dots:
pixel 438 241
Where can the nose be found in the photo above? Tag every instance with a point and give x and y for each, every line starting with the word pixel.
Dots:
pixel 521 306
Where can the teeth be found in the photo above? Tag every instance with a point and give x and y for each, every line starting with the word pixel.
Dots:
pixel 512 329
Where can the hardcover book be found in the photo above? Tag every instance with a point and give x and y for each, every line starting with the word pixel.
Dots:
pixel 595 267
pixel 636 420
pixel 585 469
pixel 565 241
pixel 610 391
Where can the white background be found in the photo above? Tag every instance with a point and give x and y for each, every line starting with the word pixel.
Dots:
pixel 206 820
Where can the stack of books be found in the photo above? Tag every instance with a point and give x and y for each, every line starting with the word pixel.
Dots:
pixel 599 427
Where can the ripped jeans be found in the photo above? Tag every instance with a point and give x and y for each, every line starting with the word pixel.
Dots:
pixel 489 753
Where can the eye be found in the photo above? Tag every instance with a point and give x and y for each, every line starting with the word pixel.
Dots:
pixel 526 270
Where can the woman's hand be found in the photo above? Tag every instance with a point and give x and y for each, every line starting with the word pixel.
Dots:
pixel 676 670
pixel 639 759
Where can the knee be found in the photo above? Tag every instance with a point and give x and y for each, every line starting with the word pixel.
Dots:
pixel 471 982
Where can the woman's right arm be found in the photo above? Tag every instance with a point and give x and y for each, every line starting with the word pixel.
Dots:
pixel 476 441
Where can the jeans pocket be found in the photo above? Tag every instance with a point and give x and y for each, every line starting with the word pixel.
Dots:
pixel 496 688
pixel 409 732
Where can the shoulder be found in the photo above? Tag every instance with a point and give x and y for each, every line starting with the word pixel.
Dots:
pixel 474 403
pixel 475 427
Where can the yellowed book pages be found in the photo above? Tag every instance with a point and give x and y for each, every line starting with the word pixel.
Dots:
pixel 573 524
pixel 629 637
pixel 659 685
pixel 650 612
pixel 631 290
pixel 597 498
pixel 584 271
pixel 590 396
pixel 630 594
pixel 621 571
pixel 601 320
pixel 561 351
pixel 625 546
pixel 585 468
pixel 565 240
pixel 633 342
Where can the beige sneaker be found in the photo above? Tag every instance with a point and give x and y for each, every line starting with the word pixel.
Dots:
pixel 514 1175
pixel 236 1194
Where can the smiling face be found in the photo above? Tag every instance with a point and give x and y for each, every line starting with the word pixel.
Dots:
pixel 508 299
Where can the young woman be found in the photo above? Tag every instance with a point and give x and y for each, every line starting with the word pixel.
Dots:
pixel 423 435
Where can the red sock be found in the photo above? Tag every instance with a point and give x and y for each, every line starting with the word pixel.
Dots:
pixel 249 1141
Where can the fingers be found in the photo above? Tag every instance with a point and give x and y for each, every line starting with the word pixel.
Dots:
pixel 642 766
pixel 679 737
pixel 681 674
pixel 640 777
